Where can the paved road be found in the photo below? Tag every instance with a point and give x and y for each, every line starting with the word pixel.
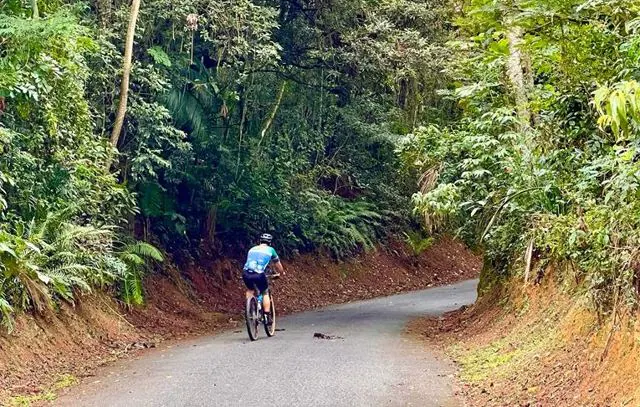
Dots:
pixel 374 365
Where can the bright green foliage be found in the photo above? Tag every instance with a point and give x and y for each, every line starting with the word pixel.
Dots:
pixel 568 179
pixel 58 206
pixel 274 116
pixel 135 256
pixel 619 108
pixel 243 116
pixel 50 155
pixel 418 242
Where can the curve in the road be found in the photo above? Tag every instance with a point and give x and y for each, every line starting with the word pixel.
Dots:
pixel 373 365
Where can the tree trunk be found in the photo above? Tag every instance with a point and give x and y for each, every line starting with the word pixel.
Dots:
pixel 243 116
pixel 104 11
pixel 126 72
pixel 274 111
pixel 34 9
pixel 516 74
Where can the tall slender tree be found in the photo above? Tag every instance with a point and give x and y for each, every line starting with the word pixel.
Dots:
pixel 34 9
pixel 126 73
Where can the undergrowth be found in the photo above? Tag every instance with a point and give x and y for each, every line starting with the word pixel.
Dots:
pixel 541 168
pixel 240 118
pixel 509 355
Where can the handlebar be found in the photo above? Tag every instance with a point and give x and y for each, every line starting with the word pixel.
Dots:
pixel 272 275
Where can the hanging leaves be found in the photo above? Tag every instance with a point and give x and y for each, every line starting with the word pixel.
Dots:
pixel 619 109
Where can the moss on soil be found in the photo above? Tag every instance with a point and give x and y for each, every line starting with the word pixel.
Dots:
pixel 506 356
pixel 49 394
pixel 539 346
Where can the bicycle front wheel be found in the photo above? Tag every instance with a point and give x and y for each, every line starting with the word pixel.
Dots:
pixel 251 317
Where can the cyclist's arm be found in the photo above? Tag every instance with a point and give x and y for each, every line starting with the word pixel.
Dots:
pixel 278 265
pixel 275 260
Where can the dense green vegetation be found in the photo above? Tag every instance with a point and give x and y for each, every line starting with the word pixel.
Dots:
pixel 540 163
pixel 314 120
pixel 242 116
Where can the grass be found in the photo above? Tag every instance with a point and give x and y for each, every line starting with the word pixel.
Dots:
pixel 65 381
pixel 49 394
pixel 511 353
pixel 26 401
pixel 477 365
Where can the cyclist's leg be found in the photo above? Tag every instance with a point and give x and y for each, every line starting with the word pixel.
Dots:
pixel 263 285
pixel 266 301
pixel 249 282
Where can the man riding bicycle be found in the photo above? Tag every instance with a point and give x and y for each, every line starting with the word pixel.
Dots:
pixel 254 274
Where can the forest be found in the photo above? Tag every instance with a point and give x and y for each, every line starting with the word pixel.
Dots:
pixel 132 130
pixel 241 117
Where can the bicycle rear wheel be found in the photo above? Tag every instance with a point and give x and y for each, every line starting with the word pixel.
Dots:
pixel 270 330
pixel 252 318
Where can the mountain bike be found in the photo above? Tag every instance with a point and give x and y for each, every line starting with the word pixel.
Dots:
pixel 254 312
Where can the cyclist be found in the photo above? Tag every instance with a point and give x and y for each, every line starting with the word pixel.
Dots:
pixel 254 274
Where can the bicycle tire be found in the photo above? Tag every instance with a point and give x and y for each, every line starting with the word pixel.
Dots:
pixel 251 317
pixel 270 331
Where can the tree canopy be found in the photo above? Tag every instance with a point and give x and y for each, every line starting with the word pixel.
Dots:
pixel 242 116
pixel 539 164
pixel 313 120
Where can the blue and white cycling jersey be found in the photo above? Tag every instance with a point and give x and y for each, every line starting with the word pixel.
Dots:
pixel 259 258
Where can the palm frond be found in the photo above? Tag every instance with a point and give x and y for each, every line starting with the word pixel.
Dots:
pixel 188 112
pixel 144 250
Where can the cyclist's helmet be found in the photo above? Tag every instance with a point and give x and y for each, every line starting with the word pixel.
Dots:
pixel 266 238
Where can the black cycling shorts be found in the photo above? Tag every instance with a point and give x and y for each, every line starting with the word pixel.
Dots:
pixel 255 281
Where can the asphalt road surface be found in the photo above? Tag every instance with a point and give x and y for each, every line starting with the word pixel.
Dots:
pixel 372 364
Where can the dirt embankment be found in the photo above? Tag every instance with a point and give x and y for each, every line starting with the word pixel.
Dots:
pixel 46 353
pixel 539 347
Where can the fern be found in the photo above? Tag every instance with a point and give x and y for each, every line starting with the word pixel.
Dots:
pixel 343 227
pixel 145 250
pixel 417 242
pixel 43 261
pixel 189 111
pixel 135 256
pixel 132 290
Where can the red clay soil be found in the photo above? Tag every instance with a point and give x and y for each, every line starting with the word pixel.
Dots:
pixel 563 357
pixel 203 300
